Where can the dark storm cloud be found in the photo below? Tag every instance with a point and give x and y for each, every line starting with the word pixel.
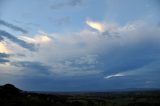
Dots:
pixel 16 28
pixel 3 58
pixel 69 3
pixel 4 34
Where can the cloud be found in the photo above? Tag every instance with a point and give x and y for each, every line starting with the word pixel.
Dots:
pixel 27 23
pixel 114 75
pixel 76 66
pixel 145 70
pixel 1 39
pixel 71 54
pixel 4 55
pixel 14 39
pixel 134 72
pixel 3 58
pixel 69 3
pixel 96 25
pixel 32 68
pixel 132 50
pixel 16 28
pixel 3 48
pixel 40 39
pixel 5 36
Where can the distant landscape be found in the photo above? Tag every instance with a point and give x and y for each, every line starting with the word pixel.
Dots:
pixel 12 96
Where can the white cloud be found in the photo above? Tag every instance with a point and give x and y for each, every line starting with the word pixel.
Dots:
pixel 114 75
pixel 96 25
pixel 145 71
pixel 4 48
pixel 126 73
pixel 39 39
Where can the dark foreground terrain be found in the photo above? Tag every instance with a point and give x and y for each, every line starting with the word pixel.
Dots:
pixel 11 96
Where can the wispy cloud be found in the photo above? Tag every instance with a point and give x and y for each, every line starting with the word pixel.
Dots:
pixel 40 39
pixel 69 3
pixel 14 27
pixel 14 39
pixel 125 73
pixel 4 58
pixel 75 2
pixel 114 75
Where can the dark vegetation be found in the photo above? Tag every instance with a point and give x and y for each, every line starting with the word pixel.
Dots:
pixel 12 96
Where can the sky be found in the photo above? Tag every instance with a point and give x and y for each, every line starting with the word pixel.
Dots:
pixel 80 45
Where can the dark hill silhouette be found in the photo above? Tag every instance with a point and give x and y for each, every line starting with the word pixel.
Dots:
pixel 9 90
pixel 12 96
